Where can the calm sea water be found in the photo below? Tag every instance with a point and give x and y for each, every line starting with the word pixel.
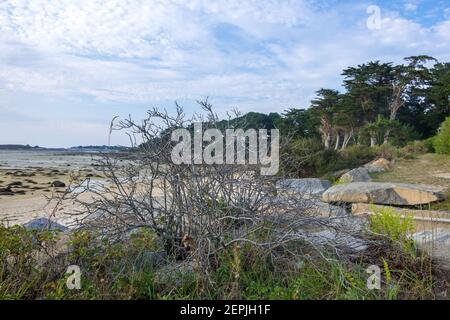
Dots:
pixel 12 159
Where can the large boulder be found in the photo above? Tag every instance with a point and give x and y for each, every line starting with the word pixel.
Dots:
pixel 303 187
pixel 356 175
pixel 383 193
pixel 378 165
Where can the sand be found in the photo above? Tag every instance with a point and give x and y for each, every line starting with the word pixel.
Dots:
pixel 30 190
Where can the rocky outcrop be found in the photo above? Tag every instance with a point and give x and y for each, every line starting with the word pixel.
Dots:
pixel 383 193
pixel 356 175
pixel 378 165
pixel 303 187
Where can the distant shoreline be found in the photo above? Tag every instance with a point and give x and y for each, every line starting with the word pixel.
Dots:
pixel 76 149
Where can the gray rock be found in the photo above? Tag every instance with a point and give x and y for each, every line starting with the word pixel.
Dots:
pixel 175 273
pixel 323 209
pixel 383 193
pixel 149 260
pixel 356 175
pixel 342 241
pixel 44 224
pixel 304 187
pixel 436 243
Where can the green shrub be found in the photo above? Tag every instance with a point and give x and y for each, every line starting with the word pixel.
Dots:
pixel 429 144
pixel 441 142
pixel 109 270
pixel 386 222
pixel 386 151
pixel 398 133
pixel 356 155
pixel 417 147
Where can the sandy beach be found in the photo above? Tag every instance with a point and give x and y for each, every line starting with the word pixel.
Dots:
pixel 28 179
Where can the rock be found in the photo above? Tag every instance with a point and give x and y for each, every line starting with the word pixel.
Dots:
pixel 149 260
pixel 58 184
pixel 44 224
pixel 436 243
pixel 338 174
pixel 51 255
pixel 339 240
pixel 323 209
pixel 304 187
pixel 6 191
pixel 15 184
pixel 442 175
pixel 23 174
pixel 356 175
pixel 379 165
pixel 174 274
pixel 383 193
pixel 434 216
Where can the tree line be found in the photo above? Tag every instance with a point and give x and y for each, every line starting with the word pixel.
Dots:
pixel 382 103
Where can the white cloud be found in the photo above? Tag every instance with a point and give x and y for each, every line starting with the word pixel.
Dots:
pixel 410 7
pixel 276 55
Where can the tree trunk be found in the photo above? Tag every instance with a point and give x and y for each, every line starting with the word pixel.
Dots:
pixel 386 136
pixel 372 141
pixel 347 136
pixel 326 141
pixel 345 141
pixel 338 140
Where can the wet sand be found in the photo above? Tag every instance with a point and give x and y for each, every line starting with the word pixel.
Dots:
pixel 25 191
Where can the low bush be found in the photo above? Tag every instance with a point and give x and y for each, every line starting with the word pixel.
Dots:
pixel 385 222
pixel 110 270
pixel 418 147
pixel 441 142
pixel 429 144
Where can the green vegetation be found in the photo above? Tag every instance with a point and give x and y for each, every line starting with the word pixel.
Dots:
pixel 115 270
pixel 386 222
pixel 441 142
pixel 385 110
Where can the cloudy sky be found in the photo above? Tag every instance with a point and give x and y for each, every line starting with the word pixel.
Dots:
pixel 68 67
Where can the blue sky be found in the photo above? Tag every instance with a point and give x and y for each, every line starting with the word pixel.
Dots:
pixel 68 67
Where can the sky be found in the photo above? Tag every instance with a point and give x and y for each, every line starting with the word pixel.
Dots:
pixel 68 67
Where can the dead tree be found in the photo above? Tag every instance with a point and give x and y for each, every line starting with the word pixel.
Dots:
pixel 214 206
